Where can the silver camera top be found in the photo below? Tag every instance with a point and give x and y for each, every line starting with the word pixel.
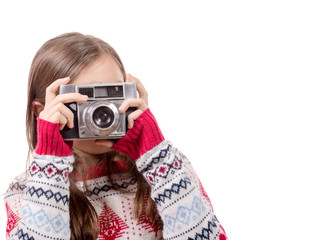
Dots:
pixel 98 91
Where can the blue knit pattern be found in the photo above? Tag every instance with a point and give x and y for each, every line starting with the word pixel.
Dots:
pixel 185 213
pixel 45 203
pixel 175 188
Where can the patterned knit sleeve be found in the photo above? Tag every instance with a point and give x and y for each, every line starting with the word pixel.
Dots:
pixel 44 198
pixel 182 202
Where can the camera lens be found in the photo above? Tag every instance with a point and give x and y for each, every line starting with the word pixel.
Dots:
pixel 103 117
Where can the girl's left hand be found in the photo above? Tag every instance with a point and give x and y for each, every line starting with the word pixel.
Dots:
pixel 141 103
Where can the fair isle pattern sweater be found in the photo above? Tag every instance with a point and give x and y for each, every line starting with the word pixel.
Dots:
pixel 39 207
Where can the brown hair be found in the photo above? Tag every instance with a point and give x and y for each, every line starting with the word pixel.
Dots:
pixel 63 56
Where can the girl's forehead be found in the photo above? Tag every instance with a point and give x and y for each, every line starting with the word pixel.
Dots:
pixel 104 69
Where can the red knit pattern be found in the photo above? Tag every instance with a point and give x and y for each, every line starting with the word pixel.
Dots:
pixel 50 141
pixel 12 219
pixel 111 225
pixel 223 236
pixel 144 136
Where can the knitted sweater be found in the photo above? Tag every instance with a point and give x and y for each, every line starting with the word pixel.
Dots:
pixel 39 207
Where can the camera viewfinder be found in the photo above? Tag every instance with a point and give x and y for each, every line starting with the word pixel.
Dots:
pixel 101 92
pixel 86 91
pixel 116 91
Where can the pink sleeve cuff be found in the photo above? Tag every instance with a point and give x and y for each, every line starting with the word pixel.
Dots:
pixel 50 141
pixel 144 136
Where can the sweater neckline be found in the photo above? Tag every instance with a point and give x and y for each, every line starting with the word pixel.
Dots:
pixel 101 170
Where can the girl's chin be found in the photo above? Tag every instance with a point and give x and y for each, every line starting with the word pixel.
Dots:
pixel 104 142
pixel 98 146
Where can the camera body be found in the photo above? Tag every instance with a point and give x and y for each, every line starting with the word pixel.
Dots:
pixel 99 117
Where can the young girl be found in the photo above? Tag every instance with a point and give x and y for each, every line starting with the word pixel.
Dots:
pixel 139 187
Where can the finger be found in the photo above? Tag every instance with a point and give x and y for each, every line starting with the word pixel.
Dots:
pixel 58 118
pixel 133 102
pixel 66 112
pixel 132 117
pixel 68 98
pixel 63 122
pixel 53 88
pixel 139 87
pixel 49 114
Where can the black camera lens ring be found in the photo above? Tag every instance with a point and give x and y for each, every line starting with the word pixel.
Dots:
pixel 102 128
pixel 103 117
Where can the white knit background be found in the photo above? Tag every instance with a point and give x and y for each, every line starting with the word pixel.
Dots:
pixel 231 83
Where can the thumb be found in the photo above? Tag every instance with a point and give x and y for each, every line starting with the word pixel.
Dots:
pixel 129 78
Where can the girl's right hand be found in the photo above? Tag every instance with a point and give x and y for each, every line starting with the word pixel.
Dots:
pixel 55 111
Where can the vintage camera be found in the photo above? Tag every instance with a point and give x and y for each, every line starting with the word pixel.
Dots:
pixel 99 117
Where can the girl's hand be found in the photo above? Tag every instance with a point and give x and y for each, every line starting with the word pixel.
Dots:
pixel 55 111
pixel 146 134
pixel 141 103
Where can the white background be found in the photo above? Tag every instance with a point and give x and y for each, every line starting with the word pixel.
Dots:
pixel 231 83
